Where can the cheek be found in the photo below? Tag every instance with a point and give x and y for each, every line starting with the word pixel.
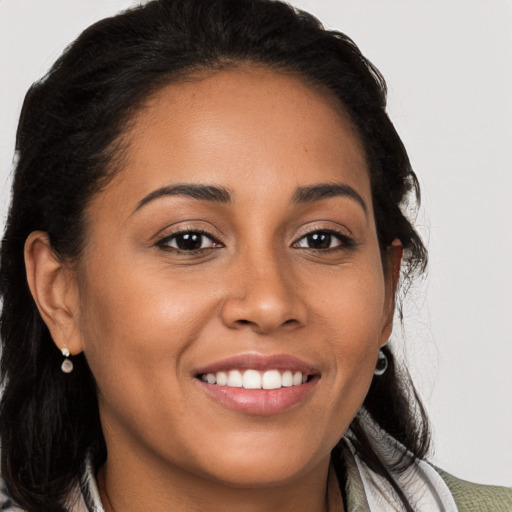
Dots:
pixel 133 321
pixel 352 304
pixel 355 319
pixel 137 328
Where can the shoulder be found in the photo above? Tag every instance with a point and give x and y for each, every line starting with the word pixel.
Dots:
pixel 74 501
pixel 6 504
pixel 471 497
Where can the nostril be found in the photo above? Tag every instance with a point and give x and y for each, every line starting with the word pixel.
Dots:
pixel 291 323
pixel 258 312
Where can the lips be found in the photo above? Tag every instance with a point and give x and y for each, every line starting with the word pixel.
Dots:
pixel 259 362
pixel 255 384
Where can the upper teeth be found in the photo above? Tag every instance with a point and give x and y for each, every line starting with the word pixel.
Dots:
pixel 253 379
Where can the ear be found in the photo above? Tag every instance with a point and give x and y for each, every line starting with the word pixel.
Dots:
pixel 54 289
pixel 393 264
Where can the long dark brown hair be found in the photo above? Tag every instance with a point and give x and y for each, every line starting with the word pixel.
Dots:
pixel 69 143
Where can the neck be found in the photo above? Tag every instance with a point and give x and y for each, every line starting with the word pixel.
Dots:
pixel 133 486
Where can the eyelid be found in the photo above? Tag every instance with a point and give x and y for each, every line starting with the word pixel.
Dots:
pixel 346 239
pixel 317 226
pixel 188 226
pixel 164 239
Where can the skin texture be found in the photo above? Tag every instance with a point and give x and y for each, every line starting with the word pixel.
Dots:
pixel 148 315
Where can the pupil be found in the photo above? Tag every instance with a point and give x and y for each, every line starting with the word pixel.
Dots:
pixel 189 241
pixel 319 240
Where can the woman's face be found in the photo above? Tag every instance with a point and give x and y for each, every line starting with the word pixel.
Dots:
pixel 236 245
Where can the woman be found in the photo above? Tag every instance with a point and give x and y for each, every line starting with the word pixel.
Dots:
pixel 199 275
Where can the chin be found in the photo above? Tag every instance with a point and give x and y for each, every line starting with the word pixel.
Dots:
pixel 260 474
pixel 258 466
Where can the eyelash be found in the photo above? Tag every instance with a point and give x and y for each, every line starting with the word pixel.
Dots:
pixel 164 242
pixel 346 242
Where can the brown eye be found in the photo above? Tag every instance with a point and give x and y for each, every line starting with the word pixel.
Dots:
pixel 321 240
pixel 189 241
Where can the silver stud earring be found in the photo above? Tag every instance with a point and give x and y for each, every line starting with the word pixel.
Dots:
pixel 382 363
pixel 67 364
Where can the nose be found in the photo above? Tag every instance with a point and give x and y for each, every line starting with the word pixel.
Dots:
pixel 263 296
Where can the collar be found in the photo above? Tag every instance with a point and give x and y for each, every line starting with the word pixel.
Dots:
pixel 364 489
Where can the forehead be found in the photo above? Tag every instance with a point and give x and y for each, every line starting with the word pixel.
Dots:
pixel 247 126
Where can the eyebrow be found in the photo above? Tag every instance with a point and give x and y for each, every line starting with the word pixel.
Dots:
pixel 202 192
pixel 326 190
pixel 217 194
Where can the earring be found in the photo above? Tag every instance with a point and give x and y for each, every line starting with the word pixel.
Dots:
pixel 382 363
pixel 67 364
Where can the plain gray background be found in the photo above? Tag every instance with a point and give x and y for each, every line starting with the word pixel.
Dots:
pixel 448 64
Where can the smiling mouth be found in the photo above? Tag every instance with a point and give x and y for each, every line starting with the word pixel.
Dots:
pixel 254 379
pixel 258 384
